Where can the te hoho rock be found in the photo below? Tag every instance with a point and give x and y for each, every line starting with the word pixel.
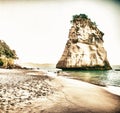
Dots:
pixel 84 48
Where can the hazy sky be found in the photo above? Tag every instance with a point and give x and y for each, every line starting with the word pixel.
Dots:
pixel 38 30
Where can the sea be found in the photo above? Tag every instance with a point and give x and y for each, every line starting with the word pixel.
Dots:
pixel 101 78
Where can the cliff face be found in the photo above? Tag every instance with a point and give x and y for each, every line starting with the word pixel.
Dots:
pixel 84 48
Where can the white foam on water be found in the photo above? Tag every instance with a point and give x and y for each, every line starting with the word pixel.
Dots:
pixel 51 74
pixel 113 89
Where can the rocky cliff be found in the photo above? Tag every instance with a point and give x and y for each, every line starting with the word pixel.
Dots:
pixel 84 48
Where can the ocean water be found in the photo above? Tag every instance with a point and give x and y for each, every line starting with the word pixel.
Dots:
pixel 102 78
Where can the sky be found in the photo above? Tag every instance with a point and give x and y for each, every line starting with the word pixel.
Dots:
pixel 38 29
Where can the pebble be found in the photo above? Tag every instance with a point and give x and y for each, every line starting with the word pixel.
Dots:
pixel 16 90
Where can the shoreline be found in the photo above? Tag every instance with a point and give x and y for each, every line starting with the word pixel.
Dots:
pixel 112 89
pixel 68 95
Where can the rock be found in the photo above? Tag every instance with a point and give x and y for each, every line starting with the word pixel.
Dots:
pixel 17 89
pixel 84 48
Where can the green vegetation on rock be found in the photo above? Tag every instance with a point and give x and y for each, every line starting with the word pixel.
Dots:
pixel 7 56
pixel 6 51
pixel 82 18
pixel 77 17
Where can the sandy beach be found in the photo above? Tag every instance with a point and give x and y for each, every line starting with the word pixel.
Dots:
pixel 33 91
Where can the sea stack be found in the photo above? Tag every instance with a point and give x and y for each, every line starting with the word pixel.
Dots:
pixel 84 49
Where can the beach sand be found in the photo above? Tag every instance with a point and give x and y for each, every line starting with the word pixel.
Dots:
pixel 40 92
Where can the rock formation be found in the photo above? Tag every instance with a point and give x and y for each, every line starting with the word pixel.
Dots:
pixel 84 48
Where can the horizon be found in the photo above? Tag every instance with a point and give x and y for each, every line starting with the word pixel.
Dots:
pixel 38 30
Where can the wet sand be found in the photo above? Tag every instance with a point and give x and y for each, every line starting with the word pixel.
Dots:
pixel 30 91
